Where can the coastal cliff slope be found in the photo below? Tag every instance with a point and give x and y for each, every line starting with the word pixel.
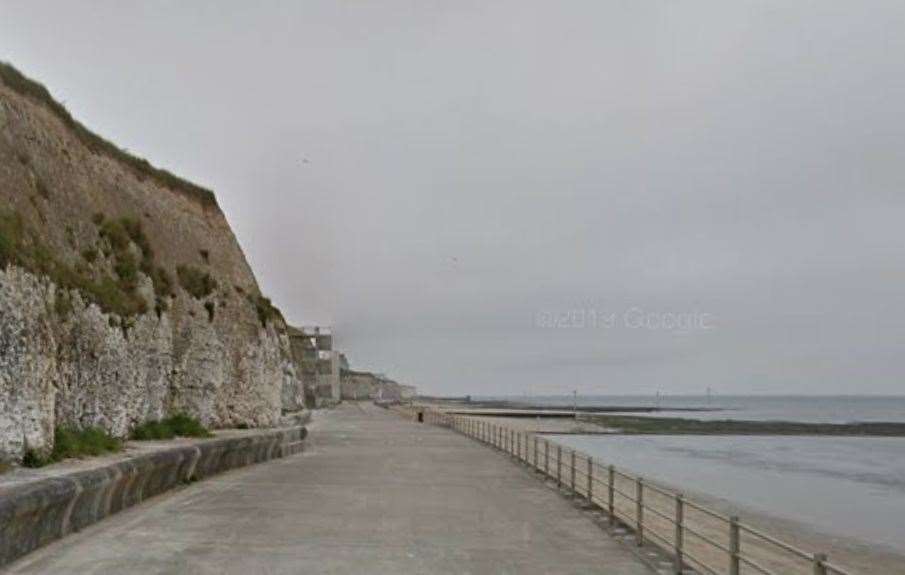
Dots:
pixel 124 294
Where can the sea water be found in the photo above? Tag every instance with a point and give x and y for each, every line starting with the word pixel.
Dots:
pixel 850 486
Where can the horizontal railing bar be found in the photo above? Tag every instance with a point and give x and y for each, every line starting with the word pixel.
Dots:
pixel 835 569
pixel 706 538
pixel 600 478
pixel 701 564
pixel 656 511
pixel 625 475
pixel 756 566
pixel 706 510
pixel 769 539
pixel 626 495
pixel 660 490
pixel 649 531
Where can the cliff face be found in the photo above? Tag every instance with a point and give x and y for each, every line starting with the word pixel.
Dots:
pixel 124 294
pixel 366 385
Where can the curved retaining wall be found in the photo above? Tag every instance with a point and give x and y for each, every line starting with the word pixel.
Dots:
pixel 38 512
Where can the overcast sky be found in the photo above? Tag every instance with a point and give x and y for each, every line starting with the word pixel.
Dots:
pixel 496 197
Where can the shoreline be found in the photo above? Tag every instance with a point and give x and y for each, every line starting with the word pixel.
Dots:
pixel 849 550
pixel 614 419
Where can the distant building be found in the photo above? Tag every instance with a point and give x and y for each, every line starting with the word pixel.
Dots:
pixel 326 376
pixel 318 364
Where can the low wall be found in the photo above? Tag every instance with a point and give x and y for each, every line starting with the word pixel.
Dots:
pixel 34 513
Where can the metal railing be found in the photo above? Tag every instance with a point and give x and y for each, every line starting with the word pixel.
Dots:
pixel 696 536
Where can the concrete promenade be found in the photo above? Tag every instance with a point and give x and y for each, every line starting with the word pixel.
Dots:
pixel 373 493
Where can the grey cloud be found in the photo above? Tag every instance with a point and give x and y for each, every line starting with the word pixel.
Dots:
pixel 473 164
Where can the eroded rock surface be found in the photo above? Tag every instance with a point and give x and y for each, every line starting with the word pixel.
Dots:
pixel 111 330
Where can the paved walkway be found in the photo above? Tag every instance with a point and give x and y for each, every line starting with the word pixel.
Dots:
pixel 374 493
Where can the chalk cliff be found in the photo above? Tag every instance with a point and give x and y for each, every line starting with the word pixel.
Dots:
pixel 124 294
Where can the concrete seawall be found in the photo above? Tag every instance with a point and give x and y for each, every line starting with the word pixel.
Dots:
pixel 38 510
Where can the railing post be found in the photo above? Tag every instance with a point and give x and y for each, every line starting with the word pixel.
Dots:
pixel 546 458
pixel 559 465
pixel 639 510
pixel 590 479
pixel 512 441
pixel 680 534
pixel 573 471
pixel 518 445
pixel 611 494
pixel 820 564
pixel 536 461
pixel 734 546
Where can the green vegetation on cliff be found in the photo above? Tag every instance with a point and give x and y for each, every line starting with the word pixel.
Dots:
pixel 118 294
pixel 267 312
pixel 198 283
pixel 69 442
pixel 179 425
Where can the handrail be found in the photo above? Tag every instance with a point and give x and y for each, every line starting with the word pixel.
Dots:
pixel 709 540
pixel 600 484
pixel 770 539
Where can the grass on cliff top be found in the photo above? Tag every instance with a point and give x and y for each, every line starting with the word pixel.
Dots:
pixel 179 425
pixel 142 169
pixel 70 442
